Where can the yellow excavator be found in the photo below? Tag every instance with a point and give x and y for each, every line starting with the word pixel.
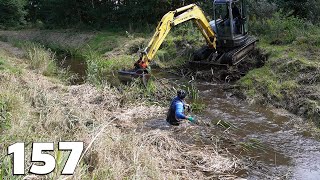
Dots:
pixel 228 42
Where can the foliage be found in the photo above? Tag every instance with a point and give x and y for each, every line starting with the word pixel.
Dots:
pixel 304 9
pixel 95 13
pixel 132 14
pixel 281 29
pixel 12 13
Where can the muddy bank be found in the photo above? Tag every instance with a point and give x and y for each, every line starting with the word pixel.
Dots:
pixel 223 73
pixel 289 79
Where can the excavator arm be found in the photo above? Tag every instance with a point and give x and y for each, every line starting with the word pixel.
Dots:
pixel 168 21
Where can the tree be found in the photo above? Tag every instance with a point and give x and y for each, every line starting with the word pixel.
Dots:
pixel 12 12
pixel 305 9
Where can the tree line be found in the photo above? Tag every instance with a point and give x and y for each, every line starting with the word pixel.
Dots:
pixel 104 13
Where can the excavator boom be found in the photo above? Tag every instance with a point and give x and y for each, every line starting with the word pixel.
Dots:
pixel 174 18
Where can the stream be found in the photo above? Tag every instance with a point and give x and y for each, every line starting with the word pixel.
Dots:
pixel 286 153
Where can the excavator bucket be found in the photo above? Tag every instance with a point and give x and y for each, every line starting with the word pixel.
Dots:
pixel 129 75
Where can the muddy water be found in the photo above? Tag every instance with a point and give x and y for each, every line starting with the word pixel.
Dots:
pixel 76 66
pixel 264 137
pixel 283 151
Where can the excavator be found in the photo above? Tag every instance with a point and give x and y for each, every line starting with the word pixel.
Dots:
pixel 227 38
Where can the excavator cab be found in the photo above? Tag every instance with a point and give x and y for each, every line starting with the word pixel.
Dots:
pixel 230 23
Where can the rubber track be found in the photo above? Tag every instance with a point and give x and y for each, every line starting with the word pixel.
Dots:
pixel 231 54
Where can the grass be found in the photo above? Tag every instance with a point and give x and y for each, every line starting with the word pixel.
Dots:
pixel 42 114
pixel 44 61
pixel 106 41
pixel 289 79
pixel 5 112
pixel 5 66
pixel 41 59
pixel 108 51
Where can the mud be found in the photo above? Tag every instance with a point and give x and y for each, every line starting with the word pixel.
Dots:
pixel 227 74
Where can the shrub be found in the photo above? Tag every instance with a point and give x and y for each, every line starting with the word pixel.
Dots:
pixel 12 12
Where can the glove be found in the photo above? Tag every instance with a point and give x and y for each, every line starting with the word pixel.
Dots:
pixel 191 119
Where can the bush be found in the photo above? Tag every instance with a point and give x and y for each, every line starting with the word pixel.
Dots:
pixel 12 13
pixel 281 29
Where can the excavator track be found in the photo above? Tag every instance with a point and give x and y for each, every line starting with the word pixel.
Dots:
pixel 236 55
pixel 231 57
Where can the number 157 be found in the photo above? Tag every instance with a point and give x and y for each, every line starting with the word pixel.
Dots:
pixel 49 162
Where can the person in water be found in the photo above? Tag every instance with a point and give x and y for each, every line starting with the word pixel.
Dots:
pixel 177 108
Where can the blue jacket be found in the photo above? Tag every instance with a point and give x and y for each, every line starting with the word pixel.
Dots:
pixel 176 111
pixel 179 108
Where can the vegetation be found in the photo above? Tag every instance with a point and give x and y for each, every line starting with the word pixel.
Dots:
pixel 289 79
pixel 12 13
pixel 39 109
pixel 130 14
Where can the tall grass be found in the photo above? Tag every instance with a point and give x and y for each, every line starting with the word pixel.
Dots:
pixel 101 70
pixel 76 113
pixel 283 29
pixel 41 59
pixel 5 113
pixel 44 61
pixel 156 91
